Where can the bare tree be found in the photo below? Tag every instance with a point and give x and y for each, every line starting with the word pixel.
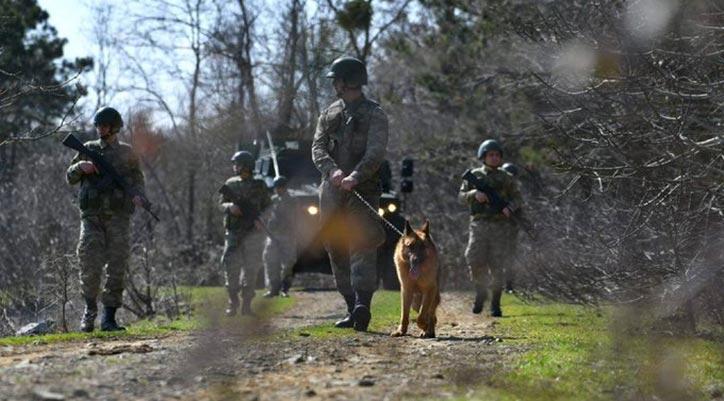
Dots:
pixel 233 40
pixel 177 28
pixel 355 17
pixel 103 38
pixel 288 68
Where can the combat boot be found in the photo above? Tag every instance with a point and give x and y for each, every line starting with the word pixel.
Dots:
pixel 108 320
pixel 362 310
pixel 286 284
pixel 232 307
pixel 233 303
pixel 87 322
pixel 273 292
pixel 347 322
pixel 246 307
pixel 495 310
pixel 480 296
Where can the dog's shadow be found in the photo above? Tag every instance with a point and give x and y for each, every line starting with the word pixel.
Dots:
pixel 450 338
pixel 473 339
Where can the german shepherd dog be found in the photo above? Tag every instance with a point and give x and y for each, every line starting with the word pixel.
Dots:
pixel 416 260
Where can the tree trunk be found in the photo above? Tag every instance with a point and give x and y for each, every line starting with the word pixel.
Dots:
pixel 287 92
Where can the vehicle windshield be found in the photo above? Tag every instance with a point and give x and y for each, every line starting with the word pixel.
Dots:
pixel 295 163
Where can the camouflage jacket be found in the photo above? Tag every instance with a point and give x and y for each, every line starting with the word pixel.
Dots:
pixel 95 199
pixel 283 216
pixel 503 183
pixel 253 191
pixel 351 137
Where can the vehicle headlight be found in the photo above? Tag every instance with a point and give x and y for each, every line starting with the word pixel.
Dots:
pixel 381 211
pixel 391 208
pixel 313 210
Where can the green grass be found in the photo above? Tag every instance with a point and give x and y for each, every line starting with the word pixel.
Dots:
pixel 203 299
pixel 140 329
pixel 573 354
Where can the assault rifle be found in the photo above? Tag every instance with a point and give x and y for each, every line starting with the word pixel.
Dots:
pixel 249 213
pixel 109 174
pixel 497 203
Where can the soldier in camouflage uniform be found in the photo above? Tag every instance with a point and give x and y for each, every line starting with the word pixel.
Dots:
pixel 105 219
pixel 244 237
pixel 348 148
pixel 280 251
pixel 492 233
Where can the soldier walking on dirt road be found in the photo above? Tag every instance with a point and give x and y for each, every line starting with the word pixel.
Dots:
pixel 491 234
pixel 348 148
pixel 105 210
pixel 244 236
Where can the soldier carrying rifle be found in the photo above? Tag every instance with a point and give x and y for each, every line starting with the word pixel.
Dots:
pixel 493 198
pixel 111 186
pixel 241 200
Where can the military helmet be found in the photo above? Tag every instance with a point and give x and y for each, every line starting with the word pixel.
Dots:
pixel 350 70
pixel 488 145
pixel 108 116
pixel 510 168
pixel 280 181
pixel 243 159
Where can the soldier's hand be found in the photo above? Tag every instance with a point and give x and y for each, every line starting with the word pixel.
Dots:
pixel 348 183
pixel 481 197
pixel 258 225
pixel 235 210
pixel 138 201
pixel 336 177
pixel 87 167
pixel 507 212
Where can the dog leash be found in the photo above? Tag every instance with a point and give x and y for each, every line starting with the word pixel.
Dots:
pixel 376 213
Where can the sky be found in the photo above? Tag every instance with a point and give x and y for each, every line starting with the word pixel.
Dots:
pixel 69 18
pixel 73 21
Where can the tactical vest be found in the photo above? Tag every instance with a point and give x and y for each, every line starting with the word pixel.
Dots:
pixel 350 129
pixel 501 183
pixel 252 190
pixel 98 192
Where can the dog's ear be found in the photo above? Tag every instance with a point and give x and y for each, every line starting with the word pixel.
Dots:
pixel 408 229
pixel 426 228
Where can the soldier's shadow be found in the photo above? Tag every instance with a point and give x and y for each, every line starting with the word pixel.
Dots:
pixel 466 339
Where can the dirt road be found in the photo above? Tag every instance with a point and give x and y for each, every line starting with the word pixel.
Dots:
pixel 256 360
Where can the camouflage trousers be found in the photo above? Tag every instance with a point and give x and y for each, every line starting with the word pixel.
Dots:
pixel 279 258
pixel 104 243
pixel 352 233
pixel 489 252
pixel 242 261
